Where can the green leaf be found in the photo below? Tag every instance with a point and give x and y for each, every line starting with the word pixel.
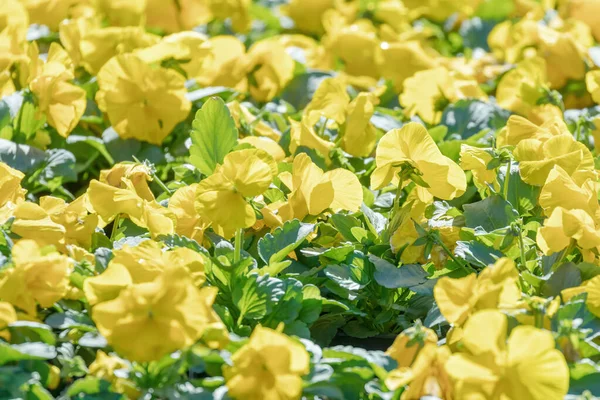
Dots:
pixel 325 328
pixel 344 224
pixel 566 276
pixel 25 351
pixel 495 9
pixel 275 247
pixel 477 253
pixel 58 168
pixel 20 156
pixel 392 277
pixel 27 331
pixel 490 214
pixel 214 134
pixel 466 118
pixel 302 88
pixel 521 195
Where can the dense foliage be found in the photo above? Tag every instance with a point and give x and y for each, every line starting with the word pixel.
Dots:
pixel 316 199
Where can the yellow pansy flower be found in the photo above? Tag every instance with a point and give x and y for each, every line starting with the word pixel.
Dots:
pixel 329 101
pixel 150 320
pixel 401 60
pixel 236 10
pixel 141 264
pixel 537 158
pixel 564 226
pixel 412 145
pixel 307 15
pixel 269 366
pixel 33 222
pixel 13 13
pixel 520 88
pixel 11 193
pixel 269 68
pixel 71 31
pixel 265 144
pixel 241 114
pixel 519 128
pixel 108 202
pixel 8 315
pixel 314 191
pixel 409 343
pixel 476 160
pixel 359 135
pixel 122 13
pixel 586 11
pixel 561 190
pixel 356 46
pixel 427 92
pixel 62 102
pixel 425 377
pixel 524 366
pixel 223 67
pixel 592 80
pixel 173 16
pixel 191 49
pixel 125 174
pixel 104 367
pixel 303 134
pixel 221 198
pixel 142 102
pixel 98 46
pixel 592 287
pixel 189 223
pixel 37 277
pixel 49 12
pixel 495 287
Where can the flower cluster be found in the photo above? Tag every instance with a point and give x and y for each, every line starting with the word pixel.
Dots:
pixel 301 199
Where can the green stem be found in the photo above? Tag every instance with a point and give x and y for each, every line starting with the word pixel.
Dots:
pixel 162 185
pixel 564 255
pixel 507 179
pixel 115 227
pixel 522 248
pixel 239 241
pixel 456 260
pixel 322 127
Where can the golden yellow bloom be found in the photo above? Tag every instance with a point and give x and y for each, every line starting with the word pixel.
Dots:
pixel 108 202
pixel 520 88
pixel 62 102
pixel 401 60
pixel 98 46
pixel 519 128
pixel 265 144
pixel 37 276
pixel 409 343
pixel 526 366
pixel 359 134
pixel 561 190
pixel 125 174
pixel 13 13
pixel 221 198
pixel 104 366
pixel 237 10
pixel 303 134
pixel 426 376
pixel 476 160
pixel 412 145
pixel 307 15
pixel 189 223
pixel 141 102
pixel 329 101
pixel 122 12
pixel 11 193
pixel 241 114
pixel 592 80
pixel 49 12
pixel 314 191
pixel 537 158
pixel 223 67
pixel 592 287
pixel 173 16
pixel 269 366
pixel 564 226
pixel 269 68
pixel 8 315
pixel 495 287
pixel 150 320
pixel 33 222
pixel 427 92
pixel 586 11
pixel 356 46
